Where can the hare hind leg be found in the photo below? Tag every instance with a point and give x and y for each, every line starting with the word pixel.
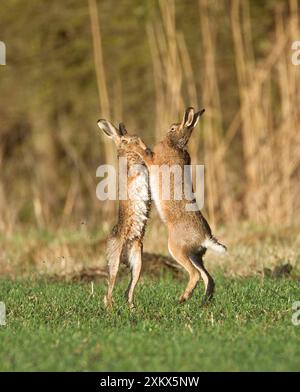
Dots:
pixel 135 262
pixel 182 258
pixel 196 259
pixel 114 250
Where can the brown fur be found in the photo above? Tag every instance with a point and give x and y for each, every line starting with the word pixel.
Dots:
pixel 188 231
pixel 125 241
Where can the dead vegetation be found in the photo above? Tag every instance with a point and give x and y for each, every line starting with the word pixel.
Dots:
pixel 241 73
pixel 227 61
pixel 80 255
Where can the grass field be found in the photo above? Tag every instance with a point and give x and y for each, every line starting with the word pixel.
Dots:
pixel 63 326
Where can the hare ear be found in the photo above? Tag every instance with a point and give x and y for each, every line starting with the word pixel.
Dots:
pixel 108 128
pixel 188 117
pixel 122 129
pixel 196 117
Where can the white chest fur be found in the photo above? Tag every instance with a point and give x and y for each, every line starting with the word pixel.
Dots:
pixel 138 192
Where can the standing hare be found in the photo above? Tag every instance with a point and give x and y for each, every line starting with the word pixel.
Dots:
pixel 125 241
pixel 188 231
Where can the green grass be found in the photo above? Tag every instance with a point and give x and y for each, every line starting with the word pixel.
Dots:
pixel 61 326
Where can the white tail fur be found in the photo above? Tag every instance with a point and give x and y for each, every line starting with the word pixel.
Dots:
pixel 213 244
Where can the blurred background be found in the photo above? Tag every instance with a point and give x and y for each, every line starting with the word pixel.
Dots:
pixel 142 62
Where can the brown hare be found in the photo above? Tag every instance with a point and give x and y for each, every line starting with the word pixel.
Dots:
pixel 189 234
pixel 125 241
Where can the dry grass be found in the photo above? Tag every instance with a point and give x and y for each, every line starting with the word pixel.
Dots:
pixel 81 252
pixel 266 123
pixel 251 156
